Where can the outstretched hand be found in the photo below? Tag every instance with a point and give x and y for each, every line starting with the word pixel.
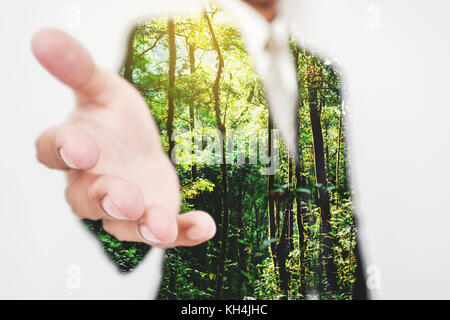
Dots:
pixel 110 149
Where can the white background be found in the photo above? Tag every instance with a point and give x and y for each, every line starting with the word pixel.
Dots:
pixel 395 57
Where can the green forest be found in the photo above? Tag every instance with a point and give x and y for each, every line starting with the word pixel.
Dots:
pixel 280 235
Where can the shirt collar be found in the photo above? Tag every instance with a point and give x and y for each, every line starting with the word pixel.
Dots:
pixel 254 28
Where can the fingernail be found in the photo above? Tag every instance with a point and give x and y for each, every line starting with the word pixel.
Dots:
pixel 147 235
pixel 110 209
pixel 64 157
pixel 195 233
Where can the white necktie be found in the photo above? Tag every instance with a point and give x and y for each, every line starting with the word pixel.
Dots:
pixel 281 90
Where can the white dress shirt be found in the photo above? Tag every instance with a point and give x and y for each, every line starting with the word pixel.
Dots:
pixel 268 45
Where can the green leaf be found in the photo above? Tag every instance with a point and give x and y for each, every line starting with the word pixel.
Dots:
pixel 303 190
pixel 115 244
pixel 243 242
pixel 103 237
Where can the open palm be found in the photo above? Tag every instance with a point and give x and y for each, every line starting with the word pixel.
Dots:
pixel 109 146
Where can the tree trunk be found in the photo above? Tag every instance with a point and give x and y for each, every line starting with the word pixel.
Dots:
pixel 290 204
pixel 338 160
pixel 241 249
pixel 314 75
pixel 271 201
pixel 302 199
pixel 171 89
pixel 282 254
pixel 327 151
pixel 191 52
pixel 223 227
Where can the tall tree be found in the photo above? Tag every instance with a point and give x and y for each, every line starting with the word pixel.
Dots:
pixel 240 246
pixel 271 201
pixel 191 54
pixel 223 166
pixel 314 85
pixel 300 184
pixel 171 88
pixel 338 157
pixel 282 254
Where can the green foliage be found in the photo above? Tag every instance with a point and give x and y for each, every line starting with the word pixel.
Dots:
pixel 255 261
pixel 126 255
pixel 266 285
